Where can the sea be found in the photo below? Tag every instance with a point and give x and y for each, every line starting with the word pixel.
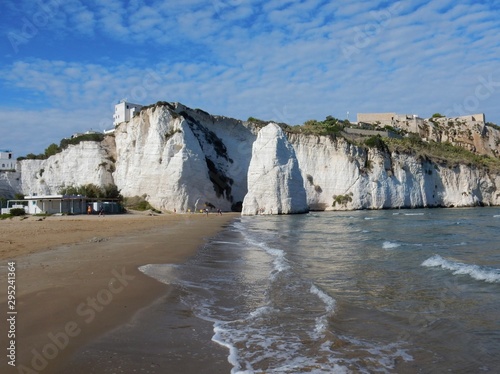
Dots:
pixel 372 291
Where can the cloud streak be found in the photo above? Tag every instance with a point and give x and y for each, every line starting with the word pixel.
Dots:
pixel 288 61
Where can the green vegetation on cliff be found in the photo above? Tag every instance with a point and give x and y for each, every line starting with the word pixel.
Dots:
pixel 442 153
pixel 53 149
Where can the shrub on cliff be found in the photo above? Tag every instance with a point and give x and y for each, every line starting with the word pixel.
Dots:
pixel 51 150
pixel 54 149
pixel 82 138
pixel 137 203
pixel 376 142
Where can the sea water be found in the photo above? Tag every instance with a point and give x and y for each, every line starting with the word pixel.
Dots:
pixel 392 291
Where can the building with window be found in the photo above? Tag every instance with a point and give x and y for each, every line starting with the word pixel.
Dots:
pixel 124 111
pixel 7 161
pixel 56 204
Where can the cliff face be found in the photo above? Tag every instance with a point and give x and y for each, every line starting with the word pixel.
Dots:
pixel 83 163
pixel 341 176
pixel 10 183
pixel 181 158
pixel 475 136
pixel 275 184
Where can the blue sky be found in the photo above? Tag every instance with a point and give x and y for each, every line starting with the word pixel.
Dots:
pixel 65 63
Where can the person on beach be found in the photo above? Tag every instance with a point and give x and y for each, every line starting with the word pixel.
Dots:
pixel 101 212
pixel 89 210
pixel 206 211
pixel 219 212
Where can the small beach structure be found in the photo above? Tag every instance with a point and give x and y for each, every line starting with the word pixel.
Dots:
pixel 54 204
pixel 65 204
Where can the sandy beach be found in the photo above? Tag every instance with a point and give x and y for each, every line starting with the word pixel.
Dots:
pixel 84 307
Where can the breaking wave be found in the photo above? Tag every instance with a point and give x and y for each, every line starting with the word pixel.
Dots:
pixel 477 272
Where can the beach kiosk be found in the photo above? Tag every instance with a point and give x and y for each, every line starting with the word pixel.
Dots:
pixel 56 204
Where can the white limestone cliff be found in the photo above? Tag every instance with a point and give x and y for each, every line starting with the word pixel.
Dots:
pixel 10 184
pixel 182 158
pixel 275 184
pixel 341 176
pixel 84 163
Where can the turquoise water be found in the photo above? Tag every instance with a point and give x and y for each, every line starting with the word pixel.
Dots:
pixel 393 291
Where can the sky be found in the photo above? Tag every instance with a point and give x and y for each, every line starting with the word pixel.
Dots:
pixel 64 64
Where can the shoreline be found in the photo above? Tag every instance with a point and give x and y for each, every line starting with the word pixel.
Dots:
pixel 70 296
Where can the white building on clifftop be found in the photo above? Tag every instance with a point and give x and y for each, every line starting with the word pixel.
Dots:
pixel 7 161
pixel 124 111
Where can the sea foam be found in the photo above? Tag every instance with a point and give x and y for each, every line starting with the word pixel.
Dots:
pixel 482 273
pixel 390 245
pixel 322 321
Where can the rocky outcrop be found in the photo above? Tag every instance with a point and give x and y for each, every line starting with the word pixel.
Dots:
pixel 84 163
pixel 275 184
pixel 185 159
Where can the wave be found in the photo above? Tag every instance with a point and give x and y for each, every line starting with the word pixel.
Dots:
pixel 327 299
pixel 482 273
pixel 280 262
pixel 322 321
pixel 261 312
pixel 390 245
pixel 163 273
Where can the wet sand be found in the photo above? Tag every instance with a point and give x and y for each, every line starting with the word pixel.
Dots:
pixel 84 307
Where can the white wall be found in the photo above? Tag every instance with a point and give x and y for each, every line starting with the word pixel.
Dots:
pixel 124 111
pixel 7 161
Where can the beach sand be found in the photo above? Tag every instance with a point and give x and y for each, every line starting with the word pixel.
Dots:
pixel 84 307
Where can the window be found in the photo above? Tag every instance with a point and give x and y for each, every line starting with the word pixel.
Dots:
pixel 10 156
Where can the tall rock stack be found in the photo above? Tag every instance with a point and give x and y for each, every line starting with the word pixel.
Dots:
pixel 275 184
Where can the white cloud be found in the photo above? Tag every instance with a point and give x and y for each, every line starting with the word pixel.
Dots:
pixel 275 60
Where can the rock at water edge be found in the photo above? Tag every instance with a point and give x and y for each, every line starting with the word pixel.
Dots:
pixel 275 184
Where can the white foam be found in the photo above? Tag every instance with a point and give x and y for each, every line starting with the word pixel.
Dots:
pixel 414 214
pixel 390 245
pixel 233 357
pixel 482 273
pixel 261 311
pixel 280 263
pixel 161 272
pixel 327 299
pixel 322 321
pixel 224 242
